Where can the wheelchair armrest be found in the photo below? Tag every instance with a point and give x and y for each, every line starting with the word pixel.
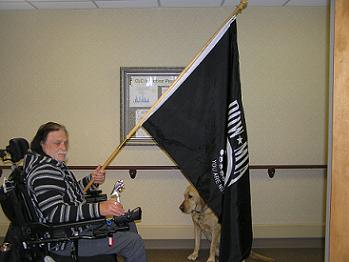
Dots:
pixel 37 232
pixel 95 196
pixel 48 227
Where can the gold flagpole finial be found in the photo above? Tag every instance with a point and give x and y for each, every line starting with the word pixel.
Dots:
pixel 241 6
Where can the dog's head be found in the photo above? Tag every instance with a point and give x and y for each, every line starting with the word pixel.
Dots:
pixel 192 201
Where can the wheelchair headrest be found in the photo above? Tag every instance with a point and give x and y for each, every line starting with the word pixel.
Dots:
pixel 17 149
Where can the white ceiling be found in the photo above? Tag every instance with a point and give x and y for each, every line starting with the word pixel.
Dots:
pixel 94 4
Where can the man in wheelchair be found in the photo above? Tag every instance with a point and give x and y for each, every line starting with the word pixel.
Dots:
pixel 54 197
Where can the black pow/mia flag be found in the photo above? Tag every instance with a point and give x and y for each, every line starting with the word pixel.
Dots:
pixel 201 125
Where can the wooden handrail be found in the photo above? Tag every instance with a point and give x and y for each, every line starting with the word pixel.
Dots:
pixel 133 169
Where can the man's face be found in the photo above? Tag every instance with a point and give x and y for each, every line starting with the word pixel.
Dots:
pixel 56 145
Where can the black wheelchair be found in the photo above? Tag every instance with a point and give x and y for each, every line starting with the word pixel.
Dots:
pixel 27 239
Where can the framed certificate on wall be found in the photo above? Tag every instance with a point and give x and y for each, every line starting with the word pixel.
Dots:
pixel 141 87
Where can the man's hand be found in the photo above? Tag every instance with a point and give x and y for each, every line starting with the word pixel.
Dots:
pixel 111 208
pixel 98 175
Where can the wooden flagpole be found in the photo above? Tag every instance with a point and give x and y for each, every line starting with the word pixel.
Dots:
pixel 238 9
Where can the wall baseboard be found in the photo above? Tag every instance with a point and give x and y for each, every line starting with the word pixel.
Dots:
pixel 257 243
pixel 259 231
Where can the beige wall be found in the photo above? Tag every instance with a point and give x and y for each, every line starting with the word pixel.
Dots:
pixel 64 66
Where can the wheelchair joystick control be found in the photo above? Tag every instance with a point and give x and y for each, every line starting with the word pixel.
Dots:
pixel 118 187
pixel 130 215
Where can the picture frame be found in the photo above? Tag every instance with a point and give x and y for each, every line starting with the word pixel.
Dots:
pixel 140 88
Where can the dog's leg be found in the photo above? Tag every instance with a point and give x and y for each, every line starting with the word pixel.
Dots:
pixel 213 246
pixel 197 234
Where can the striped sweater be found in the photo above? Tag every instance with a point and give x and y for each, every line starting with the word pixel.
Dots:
pixel 55 193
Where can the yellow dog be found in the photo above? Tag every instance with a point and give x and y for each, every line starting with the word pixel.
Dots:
pixel 206 222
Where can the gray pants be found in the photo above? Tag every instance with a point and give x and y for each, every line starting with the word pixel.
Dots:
pixel 127 244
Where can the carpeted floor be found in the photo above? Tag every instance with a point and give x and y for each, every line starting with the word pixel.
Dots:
pixel 279 254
